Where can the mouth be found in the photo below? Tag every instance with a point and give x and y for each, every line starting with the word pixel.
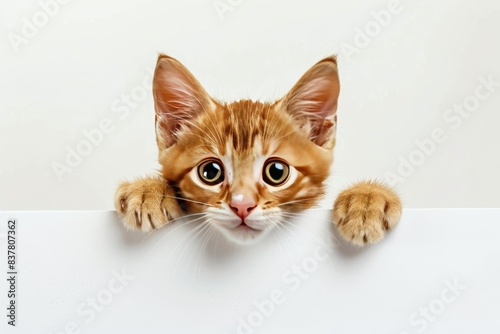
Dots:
pixel 245 227
pixel 241 232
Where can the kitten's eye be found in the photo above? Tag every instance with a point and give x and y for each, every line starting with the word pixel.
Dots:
pixel 275 172
pixel 211 172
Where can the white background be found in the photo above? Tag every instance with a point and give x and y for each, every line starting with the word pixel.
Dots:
pixel 183 279
pixel 65 78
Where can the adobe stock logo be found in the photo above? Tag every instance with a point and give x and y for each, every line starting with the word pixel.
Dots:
pixel 31 26
pixel 120 108
pixel 224 6
pixel 90 308
pixel 363 36
pixel 453 118
pixel 292 279
pixel 420 320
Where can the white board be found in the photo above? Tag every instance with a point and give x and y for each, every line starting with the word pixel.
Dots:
pixel 81 272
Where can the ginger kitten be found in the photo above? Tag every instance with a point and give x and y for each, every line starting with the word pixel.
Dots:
pixel 242 165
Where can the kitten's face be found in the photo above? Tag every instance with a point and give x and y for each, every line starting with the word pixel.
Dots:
pixel 246 165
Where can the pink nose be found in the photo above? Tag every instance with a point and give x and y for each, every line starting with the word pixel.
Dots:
pixel 242 206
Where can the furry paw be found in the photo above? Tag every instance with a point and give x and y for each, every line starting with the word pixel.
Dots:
pixel 366 211
pixel 146 204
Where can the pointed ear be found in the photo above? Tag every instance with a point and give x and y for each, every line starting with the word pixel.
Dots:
pixel 312 102
pixel 178 98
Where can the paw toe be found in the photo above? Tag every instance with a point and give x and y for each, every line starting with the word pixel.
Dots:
pixel 366 211
pixel 146 204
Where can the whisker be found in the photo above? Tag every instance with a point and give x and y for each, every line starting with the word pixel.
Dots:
pixel 198 231
pixel 191 221
pixel 188 200
pixel 185 242
pixel 197 228
pixel 280 236
pixel 203 233
pixel 329 233
pixel 275 230
pixel 216 243
pixel 289 237
pixel 296 201
pixel 209 235
pixel 169 224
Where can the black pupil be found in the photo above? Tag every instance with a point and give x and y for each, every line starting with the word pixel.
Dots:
pixel 276 171
pixel 211 171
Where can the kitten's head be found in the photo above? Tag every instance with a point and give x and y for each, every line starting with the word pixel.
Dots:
pixel 247 165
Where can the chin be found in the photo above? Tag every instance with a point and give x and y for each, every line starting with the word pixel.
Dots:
pixel 241 234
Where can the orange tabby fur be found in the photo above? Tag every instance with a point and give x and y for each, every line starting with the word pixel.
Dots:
pixel 298 129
